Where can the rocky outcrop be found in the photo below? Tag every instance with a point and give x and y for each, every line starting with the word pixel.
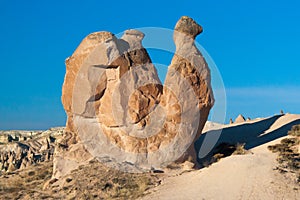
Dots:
pixel 19 154
pixel 189 63
pixel 239 119
pixel 118 110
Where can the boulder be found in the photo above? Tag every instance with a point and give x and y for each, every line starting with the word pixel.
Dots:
pixel 119 111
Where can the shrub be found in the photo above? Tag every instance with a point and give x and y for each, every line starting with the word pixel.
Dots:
pixel 288 155
pixel 240 149
pixel 295 131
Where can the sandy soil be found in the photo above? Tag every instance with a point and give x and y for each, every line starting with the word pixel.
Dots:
pixel 250 176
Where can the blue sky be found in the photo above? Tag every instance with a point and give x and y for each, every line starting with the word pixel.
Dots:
pixel 255 45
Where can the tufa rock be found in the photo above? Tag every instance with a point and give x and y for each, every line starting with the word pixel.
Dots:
pixel 239 119
pixel 190 64
pixel 117 106
pixel 188 26
pixel 38 147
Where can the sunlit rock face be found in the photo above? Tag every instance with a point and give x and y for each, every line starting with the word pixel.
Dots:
pixel 119 111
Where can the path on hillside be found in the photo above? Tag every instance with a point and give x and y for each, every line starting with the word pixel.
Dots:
pixel 250 176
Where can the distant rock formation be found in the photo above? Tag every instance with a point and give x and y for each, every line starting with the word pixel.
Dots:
pixel 19 153
pixel 239 119
pixel 116 104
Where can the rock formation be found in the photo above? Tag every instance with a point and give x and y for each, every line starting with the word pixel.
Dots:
pixel 239 119
pixel 19 154
pixel 118 110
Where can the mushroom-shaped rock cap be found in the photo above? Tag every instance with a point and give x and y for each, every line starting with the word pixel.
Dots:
pixel 134 32
pixel 133 38
pixel 188 26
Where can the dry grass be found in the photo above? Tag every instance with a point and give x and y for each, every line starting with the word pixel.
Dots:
pixel 288 155
pixel 240 149
pixel 98 181
pixel 295 131
pixel 26 183
pixel 224 150
pixel 92 181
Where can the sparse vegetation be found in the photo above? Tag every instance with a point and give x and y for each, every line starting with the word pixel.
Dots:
pixel 92 181
pixel 26 183
pixel 288 153
pixel 240 149
pixel 295 131
pixel 106 183
pixel 217 157
pixel 224 150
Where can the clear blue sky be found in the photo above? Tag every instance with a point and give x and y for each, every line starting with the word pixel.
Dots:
pixel 255 44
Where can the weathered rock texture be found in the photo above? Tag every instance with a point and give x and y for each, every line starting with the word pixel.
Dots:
pixel 21 149
pixel 118 110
